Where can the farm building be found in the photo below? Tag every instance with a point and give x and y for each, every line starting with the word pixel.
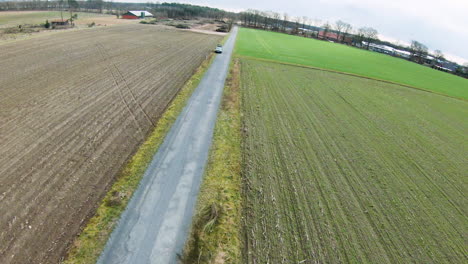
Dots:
pixel 387 50
pixel 136 14
pixel 59 22
pixel 334 36
pixel 380 48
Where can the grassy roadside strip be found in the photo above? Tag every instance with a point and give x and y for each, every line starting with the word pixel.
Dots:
pixel 214 237
pixel 89 244
pixel 350 74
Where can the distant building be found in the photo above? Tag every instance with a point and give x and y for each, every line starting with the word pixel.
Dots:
pixel 334 37
pixel 59 22
pixel 448 65
pixel 136 14
pixel 402 53
pixel 387 50
pixel 381 48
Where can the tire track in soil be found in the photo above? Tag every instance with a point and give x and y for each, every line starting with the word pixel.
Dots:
pixel 65 139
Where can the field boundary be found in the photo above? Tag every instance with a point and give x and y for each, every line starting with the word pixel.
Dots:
pixel 349 74
pixel 89 244
pixel 215 232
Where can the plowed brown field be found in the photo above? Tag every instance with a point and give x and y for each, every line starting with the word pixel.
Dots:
pixel 73 109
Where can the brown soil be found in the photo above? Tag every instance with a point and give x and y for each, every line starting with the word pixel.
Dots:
pixel 208 29
pixel 74 107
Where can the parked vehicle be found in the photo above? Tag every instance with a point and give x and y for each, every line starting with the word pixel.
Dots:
pixel 219 49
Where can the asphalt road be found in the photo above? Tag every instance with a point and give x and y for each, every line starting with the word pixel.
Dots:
pixel 155 225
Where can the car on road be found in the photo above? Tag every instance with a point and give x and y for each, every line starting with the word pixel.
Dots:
pixel 219 49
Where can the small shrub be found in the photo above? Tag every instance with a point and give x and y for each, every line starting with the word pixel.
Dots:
pixel 47 24
pixel 184 26
pixel 223 28
pixel 149 21
pixel 91 24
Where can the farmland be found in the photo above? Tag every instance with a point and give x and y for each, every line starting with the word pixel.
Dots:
pixel 342 169
pixel 322 54
pixel 74 107
pixel 15 18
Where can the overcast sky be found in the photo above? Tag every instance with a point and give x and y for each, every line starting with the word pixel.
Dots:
pixel 440 24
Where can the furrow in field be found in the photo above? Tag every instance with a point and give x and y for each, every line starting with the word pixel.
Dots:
pixel 343 169
pixel 64 133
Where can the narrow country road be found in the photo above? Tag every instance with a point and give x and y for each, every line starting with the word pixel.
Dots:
pixel 154 227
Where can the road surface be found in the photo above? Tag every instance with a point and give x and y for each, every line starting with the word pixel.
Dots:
pixel 155 225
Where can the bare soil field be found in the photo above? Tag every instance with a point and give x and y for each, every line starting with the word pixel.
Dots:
pixel 208 29
pixel 15 18
pixel 32 23
pixel 74 107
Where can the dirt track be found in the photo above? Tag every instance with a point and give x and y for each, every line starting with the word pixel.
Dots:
pixel 73 108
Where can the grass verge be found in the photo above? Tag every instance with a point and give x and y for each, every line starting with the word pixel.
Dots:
pixel 214 237
pixel 89 244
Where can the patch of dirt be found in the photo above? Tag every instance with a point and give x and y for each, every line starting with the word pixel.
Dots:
pixel 208 29
pixel 73 108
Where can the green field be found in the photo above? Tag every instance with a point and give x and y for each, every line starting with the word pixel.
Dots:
pixel 342 169
pixel 326 55
pixel 9 19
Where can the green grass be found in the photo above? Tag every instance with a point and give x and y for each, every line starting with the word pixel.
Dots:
pixel 8 19
pixel 214 236
pixel 310 52
pixel 90 243
pixel 342 169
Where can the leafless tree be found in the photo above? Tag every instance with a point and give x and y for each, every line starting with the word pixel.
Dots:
pixel 276 18
pixel 326 28
pixel 418 51
pixel 346 30
pixel 285 21
pixel 439 55
pixel 369 34
pixel 305 20
pixel 339 26
pixel 297 22
pixel 72 4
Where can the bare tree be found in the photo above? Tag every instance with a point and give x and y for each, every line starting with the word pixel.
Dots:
pixel 346 30
pixel 339 26
pixel 61 8
pixel 305 20
pixel 72 4
pixel 276 18
pixel 285 21
pixel 326 28
pixel 266 18
pixel 370 34
pixel 316 22
pixel 297 22
pixel 439 55
pixel 418 51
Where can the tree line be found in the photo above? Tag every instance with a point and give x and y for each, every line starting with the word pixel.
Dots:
pixel 306 27
pixel 362 37
pixel 168 10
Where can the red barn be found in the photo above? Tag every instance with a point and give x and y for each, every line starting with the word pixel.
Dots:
pixel 334 36
pixel 136 14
